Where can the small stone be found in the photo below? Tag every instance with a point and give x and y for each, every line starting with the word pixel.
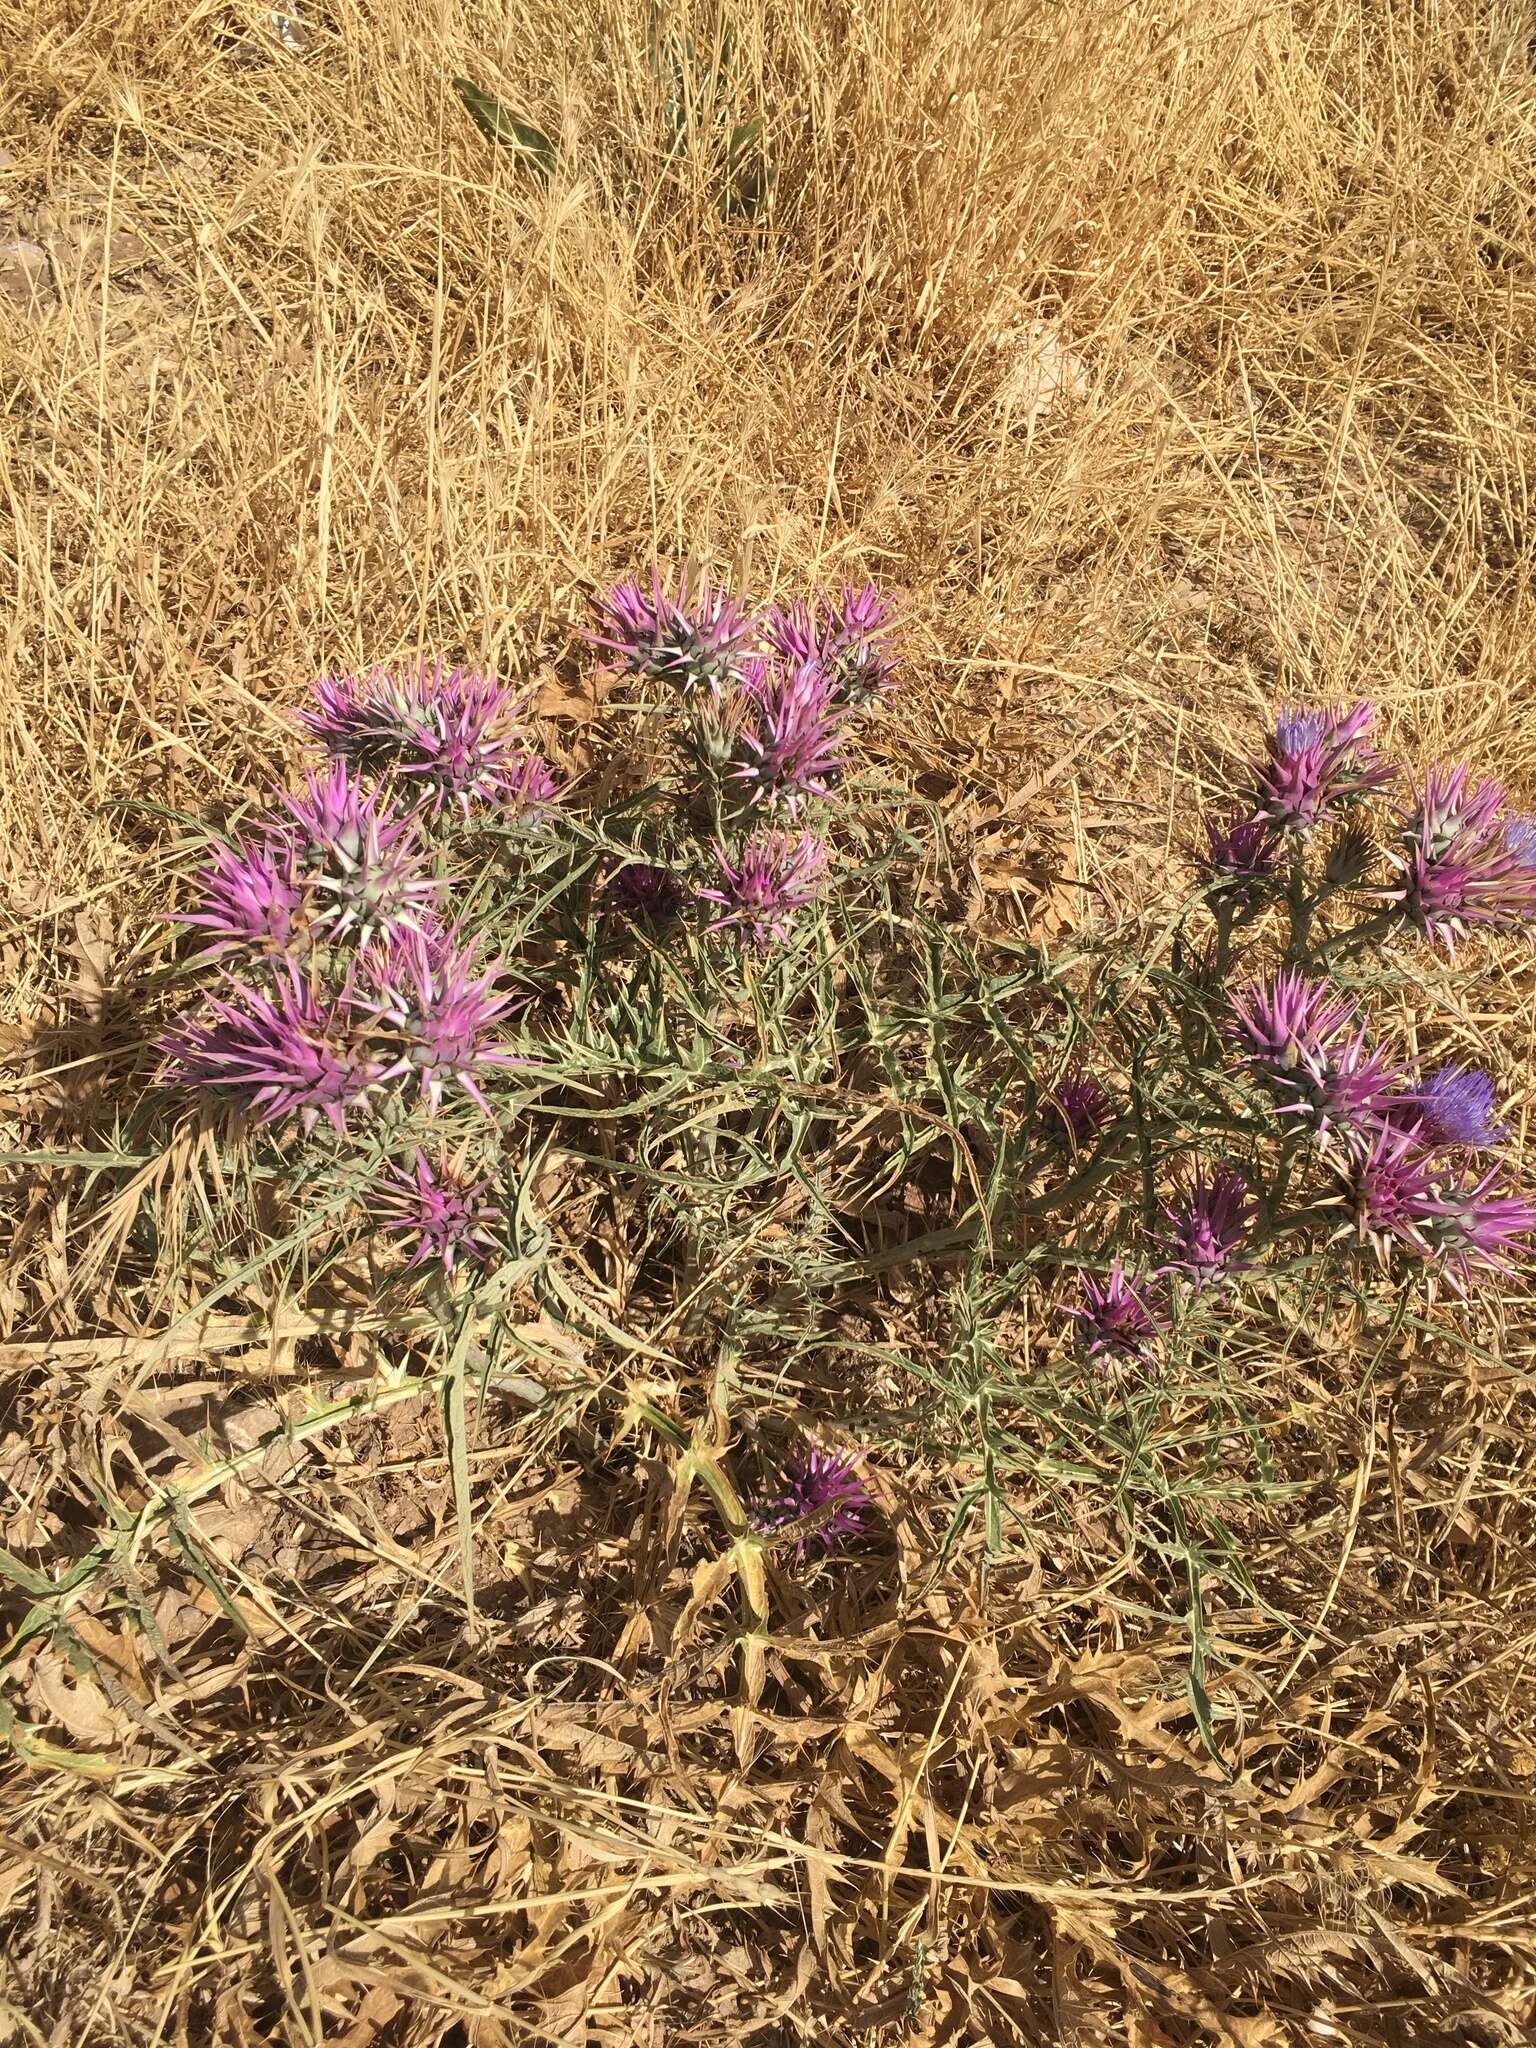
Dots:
pixel 1042 371
pixel 25 278
pixel 126 251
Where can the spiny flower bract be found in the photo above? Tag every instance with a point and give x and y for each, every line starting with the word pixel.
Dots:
pixel 1077 1108
pixel 1401 1189
pixel 788 736
pixel 448 1212
pixel 453 735
pixel 641 893
pixel 1481 1228
pixel 1294 1035
pixel 1241 854
pixel 1208 1225
pixel 775 875
pixel 360 864
pixel 1458 865
pixel 693 642
pixel 438 1009
pixel 249 897
pixel 278 1052
pixel 847 637
pixel 1115 1322
pixel 1315 766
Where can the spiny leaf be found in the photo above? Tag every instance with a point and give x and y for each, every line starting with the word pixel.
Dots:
pixel 499 124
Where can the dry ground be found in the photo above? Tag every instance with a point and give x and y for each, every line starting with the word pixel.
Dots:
pixel 1167 358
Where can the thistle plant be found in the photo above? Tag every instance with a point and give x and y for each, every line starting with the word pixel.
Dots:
pixel 694 643
pixel 1115 1318
pixel 779 1079
pixel 788 739
pixel 1077 1108
pixel 1315 767
pixel 1459 863
pixel 1208 1224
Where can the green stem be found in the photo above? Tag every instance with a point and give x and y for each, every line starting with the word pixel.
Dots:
pixel 1297 904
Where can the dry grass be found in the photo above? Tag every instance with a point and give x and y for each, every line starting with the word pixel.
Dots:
pixel 1165 357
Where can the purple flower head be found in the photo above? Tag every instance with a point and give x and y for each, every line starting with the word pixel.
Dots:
pixel 1115 1322
pixel 427 992
pixel 1208 1226
pixel 849 637
pixel 693 642
pixel 1240 855
pixel 1399 1190
pixel 776 874
pixel 1458 866
pixel 448 1212
pixel 1077 1108
pixel 1315 766
pixel 786 746
pixel 452 733
pixel 250 898
pixel 358 861
pixel 859 647
pixel 1478 1227
pixel 794 633
pixel 639 893
pixel 279 1053
pixel 1453 1107
pixel 1391 1189
pixel 1294 1034
pixel 815 1481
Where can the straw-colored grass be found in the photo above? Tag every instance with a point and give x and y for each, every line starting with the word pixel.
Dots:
pixel 1167 358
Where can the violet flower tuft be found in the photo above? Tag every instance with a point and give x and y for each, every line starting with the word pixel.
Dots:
pixel 813 1482
pixel 1454 1106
